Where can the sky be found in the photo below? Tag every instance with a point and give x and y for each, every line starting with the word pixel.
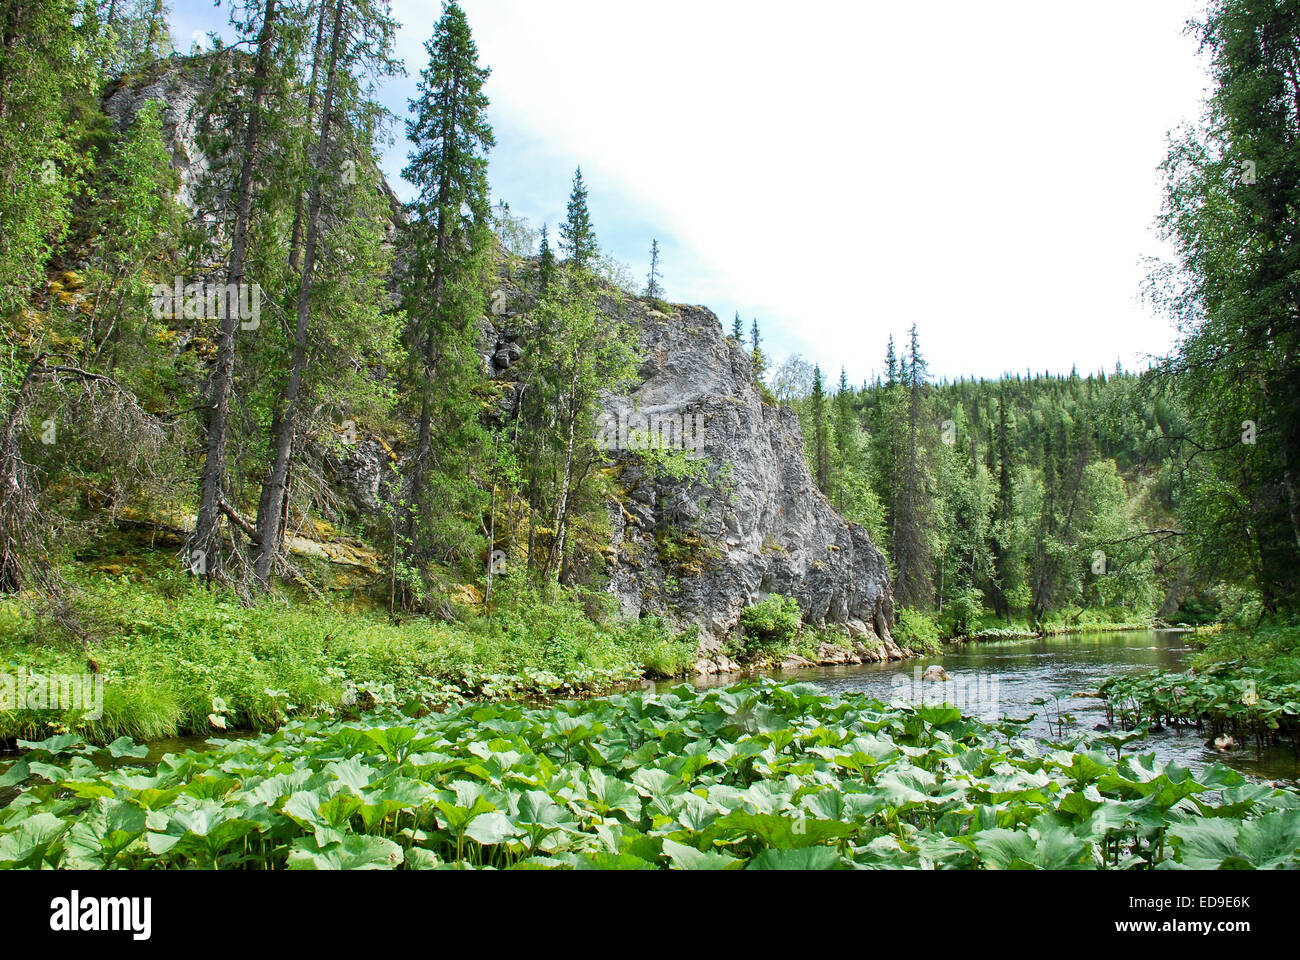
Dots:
pixel 842 170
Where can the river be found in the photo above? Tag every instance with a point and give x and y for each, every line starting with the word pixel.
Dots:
pixel 1003 678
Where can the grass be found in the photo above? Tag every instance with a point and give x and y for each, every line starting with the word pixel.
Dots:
pixel 168 649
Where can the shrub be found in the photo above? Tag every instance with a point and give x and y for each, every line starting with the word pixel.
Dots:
pixel 964 611
pixel 770 624
pixel 916 630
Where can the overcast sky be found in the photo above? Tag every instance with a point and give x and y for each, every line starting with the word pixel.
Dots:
pixel 841 170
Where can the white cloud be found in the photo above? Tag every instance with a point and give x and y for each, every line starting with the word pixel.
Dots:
pixel 842 170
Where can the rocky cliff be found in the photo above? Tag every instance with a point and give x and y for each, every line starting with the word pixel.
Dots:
pixel 702 550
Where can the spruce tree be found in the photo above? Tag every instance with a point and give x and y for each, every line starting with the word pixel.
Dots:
pixel 448 167
pixel 272 52
pixel 821 448
pixel 737 329
pixel 912 543
pixel 340 213
pixel 653 289
pixel 577 236
pixel 545 262
pixel 756 353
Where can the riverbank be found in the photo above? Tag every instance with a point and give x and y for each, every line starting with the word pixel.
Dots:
pixel 173 659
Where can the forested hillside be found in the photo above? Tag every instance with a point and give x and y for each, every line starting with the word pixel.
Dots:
pixel 238 369
pixel 1028 498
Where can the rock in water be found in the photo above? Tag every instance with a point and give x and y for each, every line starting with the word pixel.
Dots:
pixel 935 673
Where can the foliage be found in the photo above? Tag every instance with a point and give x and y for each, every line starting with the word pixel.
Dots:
pixel 916 630
pixel 1243 701
pixel 770 624
pixel 1232 186
pixel 166 650
pixel 760 777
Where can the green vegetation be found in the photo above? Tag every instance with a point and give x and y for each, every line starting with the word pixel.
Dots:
pixel 770 625
pixel 765 777
pixel 229 436
pixel 171 648
pixel 1241 701
pixel 1031 498
pixel 1173 494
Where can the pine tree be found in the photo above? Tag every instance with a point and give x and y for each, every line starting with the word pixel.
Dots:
pixel 653 289
pixel 737 329
pixel 821 449
pixel 545 263
pixel 891 364
pixel 448 167
pixel 577 236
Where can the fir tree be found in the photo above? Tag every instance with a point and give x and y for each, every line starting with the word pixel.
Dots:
pixel 205 545
pixel 737 329
pixel 448 167
pixel 341 212
pixel 577 236
pixel 821 449
pixel 545 262
pixel 756 353
pixel 653 289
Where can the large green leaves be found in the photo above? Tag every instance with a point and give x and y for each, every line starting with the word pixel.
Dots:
pixel 753 777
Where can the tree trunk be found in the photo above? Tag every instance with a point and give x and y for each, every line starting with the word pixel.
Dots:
pixel 205 544
pixel 270 519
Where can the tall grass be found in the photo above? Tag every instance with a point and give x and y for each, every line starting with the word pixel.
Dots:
pixel 167 649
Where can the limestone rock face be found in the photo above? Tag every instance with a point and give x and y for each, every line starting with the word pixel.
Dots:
pixel 700 551
pixel 179 83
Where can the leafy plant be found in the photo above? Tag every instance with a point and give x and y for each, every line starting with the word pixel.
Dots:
pixel 759 776
pixel 770 624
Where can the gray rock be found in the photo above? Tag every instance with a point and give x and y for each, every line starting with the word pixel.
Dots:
pixel 700 551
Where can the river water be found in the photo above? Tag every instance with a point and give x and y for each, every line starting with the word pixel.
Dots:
pixel 1004 678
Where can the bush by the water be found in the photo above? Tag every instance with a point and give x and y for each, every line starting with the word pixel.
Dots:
pixel 771 624
pixel 917 630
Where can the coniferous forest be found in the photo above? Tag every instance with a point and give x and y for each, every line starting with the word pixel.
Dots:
pixel 351 520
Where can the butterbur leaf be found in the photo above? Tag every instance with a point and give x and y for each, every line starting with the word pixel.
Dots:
pixel 1206 844
pixel 807 858
pixel 28 843
pixel 126 747
pixel 688 858
pixel 1272 840
pixel 353 852
pixel 491 828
